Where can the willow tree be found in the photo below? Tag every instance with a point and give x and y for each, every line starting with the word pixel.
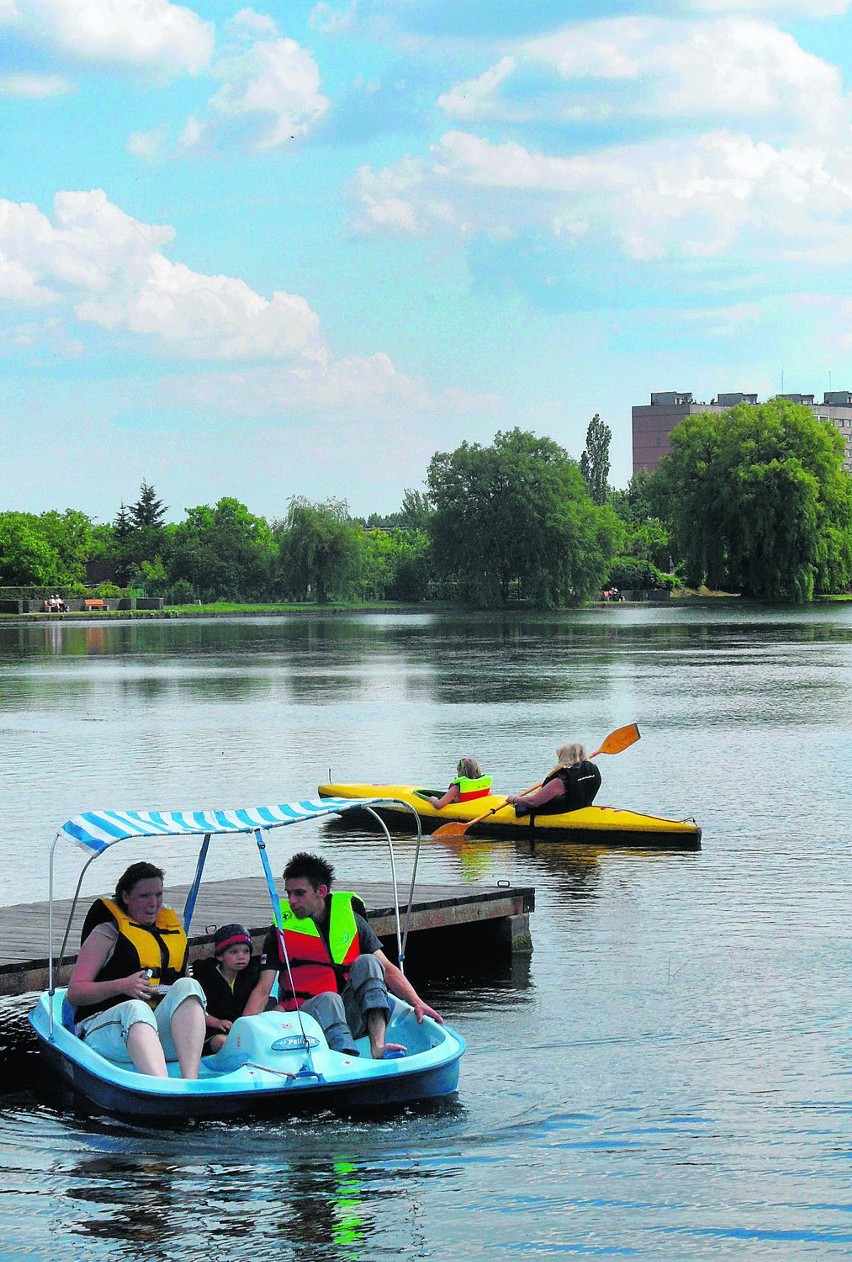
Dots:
pixel 320 549
pixel 758 501
pixel 515 521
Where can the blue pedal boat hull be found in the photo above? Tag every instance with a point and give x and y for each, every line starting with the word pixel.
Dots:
pixel 275 1062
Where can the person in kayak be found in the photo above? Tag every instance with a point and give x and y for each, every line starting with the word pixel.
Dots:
pixel 337 970
pixel 570 785
pixel 469 783
pixel 133 999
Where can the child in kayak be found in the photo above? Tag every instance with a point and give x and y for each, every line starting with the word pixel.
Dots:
pixel 227 979
pixel 469 783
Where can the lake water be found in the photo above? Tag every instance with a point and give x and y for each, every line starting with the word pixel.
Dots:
pixel 667 1076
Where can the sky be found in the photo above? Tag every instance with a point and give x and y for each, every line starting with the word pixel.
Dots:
pixel 299 248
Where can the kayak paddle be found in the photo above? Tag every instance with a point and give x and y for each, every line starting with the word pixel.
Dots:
pixel 622 738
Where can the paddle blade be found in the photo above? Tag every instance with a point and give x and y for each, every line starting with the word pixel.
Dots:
pixel 453 829
pixel 622 738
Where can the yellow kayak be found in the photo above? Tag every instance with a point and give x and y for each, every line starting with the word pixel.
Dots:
pixel 604 825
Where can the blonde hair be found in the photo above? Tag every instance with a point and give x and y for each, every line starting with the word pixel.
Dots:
pixel 568 755
pixel 469 768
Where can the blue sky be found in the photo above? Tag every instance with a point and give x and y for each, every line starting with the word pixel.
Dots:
pixel 296 249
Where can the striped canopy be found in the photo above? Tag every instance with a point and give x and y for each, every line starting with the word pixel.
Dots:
pixel 95 831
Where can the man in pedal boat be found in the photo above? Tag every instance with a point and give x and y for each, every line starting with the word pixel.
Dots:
pixel 340 975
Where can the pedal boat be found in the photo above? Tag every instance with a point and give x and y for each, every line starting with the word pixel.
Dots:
pixel 273 1062
pixel 596 825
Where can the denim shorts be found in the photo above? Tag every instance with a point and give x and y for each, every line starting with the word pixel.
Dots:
pixel 106 1032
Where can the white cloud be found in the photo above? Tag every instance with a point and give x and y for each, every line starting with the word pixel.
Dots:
pixel 206 317
pixel 250 24
pixel 732 68
pixel 193 132
pixel 34 86
pixel 661 198
pixel 354 387
pixel 107 269
pixel 89 270
pixel 771 8
pixel 275 85
pixel 147 144
pixel 475 99
pixel 334 21
pixel 758 156
pixel 155 37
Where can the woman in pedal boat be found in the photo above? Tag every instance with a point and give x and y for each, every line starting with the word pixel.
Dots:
pixel 134 1001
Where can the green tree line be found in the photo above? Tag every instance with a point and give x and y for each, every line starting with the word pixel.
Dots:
pixel 754 501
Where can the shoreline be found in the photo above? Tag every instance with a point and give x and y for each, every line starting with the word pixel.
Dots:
pixel 184 613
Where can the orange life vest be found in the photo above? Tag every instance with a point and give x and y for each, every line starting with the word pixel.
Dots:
pixel 315 966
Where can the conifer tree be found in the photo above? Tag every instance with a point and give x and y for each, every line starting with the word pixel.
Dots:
pixel 148 510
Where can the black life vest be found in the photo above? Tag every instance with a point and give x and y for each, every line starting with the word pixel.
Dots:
pixel 580 784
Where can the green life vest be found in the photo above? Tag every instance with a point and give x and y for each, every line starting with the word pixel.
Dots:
pixel 469 789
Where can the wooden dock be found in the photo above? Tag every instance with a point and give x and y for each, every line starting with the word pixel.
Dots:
pixel 488 914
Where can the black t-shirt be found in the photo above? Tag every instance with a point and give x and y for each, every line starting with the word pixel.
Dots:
pixel 222 1001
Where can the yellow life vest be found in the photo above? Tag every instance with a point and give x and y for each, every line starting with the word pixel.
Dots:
pixel 161 947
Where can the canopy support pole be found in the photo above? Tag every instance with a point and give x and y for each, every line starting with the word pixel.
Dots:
pixel 276 916
pixel 189 905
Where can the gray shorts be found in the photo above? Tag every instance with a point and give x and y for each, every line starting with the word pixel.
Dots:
pixel 106 1032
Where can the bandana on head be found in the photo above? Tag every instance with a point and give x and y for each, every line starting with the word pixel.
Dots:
pixel 230 935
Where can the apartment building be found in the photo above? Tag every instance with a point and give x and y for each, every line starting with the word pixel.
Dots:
pixel 654 422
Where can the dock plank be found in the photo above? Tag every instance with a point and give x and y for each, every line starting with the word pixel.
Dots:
pixel 24 945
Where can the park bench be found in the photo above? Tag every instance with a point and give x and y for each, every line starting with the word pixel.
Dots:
pixel 94 603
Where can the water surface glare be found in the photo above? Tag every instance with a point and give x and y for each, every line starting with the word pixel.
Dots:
pixel 667 1076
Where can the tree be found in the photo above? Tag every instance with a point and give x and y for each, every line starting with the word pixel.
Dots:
pixel 416 509
pixel 148 510
pixel 514 520
pixel 647 549
pixel 27 558
pixel 396 565
pixel 758 501
pixel 140 538
pixel 70 533
pixel 48 550
pixel 223 552
pixel 594 462
pixel 637 502
pixel 320 550
pixel 122 550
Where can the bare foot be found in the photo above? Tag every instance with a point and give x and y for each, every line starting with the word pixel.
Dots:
pixel 395 1049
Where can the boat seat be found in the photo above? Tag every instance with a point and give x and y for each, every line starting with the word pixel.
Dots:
pixel 69 1012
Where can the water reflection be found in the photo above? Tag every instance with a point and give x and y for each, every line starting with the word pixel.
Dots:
pixel 255 1199
pixel 682 1020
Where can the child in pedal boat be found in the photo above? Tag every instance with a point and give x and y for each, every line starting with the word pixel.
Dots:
pixel 227 978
